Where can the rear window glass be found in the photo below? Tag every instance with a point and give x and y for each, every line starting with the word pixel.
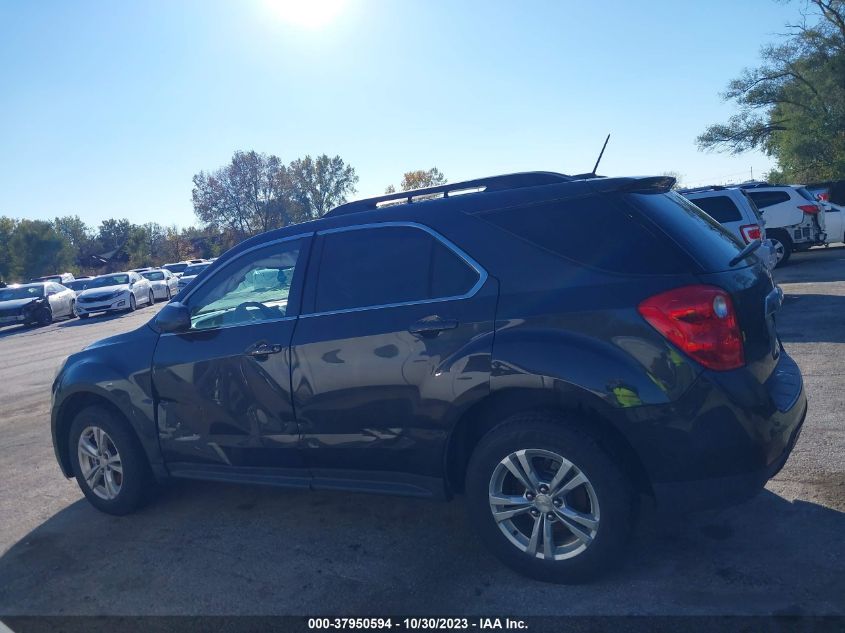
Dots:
pixel 720 208
pixel 595 231
pixel 765 199
pixel 806 194
pixel 711 244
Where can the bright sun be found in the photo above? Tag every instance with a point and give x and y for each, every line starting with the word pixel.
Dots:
pixel 310 14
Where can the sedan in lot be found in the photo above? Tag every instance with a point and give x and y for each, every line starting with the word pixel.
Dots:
pixel 164 283
pixel 190 272
pixel 35 303
pixel 117 292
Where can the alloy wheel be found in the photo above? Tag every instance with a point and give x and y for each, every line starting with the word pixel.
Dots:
pixel 780 250
pixel 544 504
pixel 100 463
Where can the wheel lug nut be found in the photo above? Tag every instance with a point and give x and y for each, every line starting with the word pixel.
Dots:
pixel 550 515
pixel 544 489
pixel 558 503
pixel 529 496
pixel 535 513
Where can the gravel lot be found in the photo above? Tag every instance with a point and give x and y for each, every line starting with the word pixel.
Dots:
pixel 225 549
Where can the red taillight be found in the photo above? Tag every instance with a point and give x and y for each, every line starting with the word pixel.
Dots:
pixel 809 209
pixel 824 196
pixel 751 232
pixel 700 321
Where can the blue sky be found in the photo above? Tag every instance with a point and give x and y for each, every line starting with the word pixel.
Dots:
pixel 107 109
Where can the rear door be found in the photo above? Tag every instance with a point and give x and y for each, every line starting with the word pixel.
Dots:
pixel 395 341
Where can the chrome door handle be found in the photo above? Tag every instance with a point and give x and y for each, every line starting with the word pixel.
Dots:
pixel 432 327
pixel 264 349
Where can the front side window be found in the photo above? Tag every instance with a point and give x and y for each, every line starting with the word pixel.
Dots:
pixel 379 266
pixel 251 288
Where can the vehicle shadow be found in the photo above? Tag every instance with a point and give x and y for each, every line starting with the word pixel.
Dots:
pixel 224 549
pixel 96 318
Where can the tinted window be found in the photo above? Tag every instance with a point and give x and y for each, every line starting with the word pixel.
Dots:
pixel 595 231
pixel 720 208
pixel 194 269
pixel 765 199
pixel 711 244
pixel 176 268
pixel 155 275
pixel 382 266
pixel 250 288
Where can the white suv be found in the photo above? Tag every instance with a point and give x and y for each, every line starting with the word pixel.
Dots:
pixel 733 209
pixel 794 221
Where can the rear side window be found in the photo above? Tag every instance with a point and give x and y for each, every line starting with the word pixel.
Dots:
pixel 765 199
pixel 720 208
pixel 379 266
pixel 595 231
pixel 711 244
pixel 806 194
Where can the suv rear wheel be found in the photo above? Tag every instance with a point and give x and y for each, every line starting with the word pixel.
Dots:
pixel 109 464
pixel 547 500
pixel 782 245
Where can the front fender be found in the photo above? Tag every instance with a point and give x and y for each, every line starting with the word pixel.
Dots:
pixel 115 372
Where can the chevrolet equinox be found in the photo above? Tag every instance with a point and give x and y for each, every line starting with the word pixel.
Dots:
pixel 555 348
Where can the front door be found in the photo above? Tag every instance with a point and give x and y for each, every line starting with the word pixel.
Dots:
pixel 223 387
pixel 396 340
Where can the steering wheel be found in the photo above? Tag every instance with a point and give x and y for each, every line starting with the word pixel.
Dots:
pixel 266 311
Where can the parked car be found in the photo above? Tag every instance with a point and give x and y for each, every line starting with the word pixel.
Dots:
pixel 734 209
pixel 190 272
pixel 79 284
pixel 116 292
pixel 794 221
pixel 35 303
pixel 176 267
pixel 60 278
pixel 834 213
pixel 163 283
pixel 472 343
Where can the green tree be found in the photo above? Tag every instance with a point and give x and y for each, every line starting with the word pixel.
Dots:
pixel 320 184
pixel 38 249
pixel 7 266
pixel 250 195
pixel 792 106
pixel 419 179
pixel 113 234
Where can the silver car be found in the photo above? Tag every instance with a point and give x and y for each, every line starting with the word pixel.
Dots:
pixel 164 283
pixel 35 303
pixel 117 292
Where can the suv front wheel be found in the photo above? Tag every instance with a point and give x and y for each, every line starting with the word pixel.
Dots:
pixel 547 500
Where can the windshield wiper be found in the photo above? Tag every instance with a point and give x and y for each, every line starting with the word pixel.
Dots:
pixel 745 252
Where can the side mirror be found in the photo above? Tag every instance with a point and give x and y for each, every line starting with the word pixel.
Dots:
pixel 173 317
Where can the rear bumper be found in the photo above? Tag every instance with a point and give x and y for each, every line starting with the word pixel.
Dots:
pixel 719 492
pixel 723 440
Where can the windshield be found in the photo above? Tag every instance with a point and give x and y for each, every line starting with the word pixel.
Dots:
pixel 155 275
pixel 22 292
pixel 78 284
pixel 195 269
pixel 108 280
pixel 175 268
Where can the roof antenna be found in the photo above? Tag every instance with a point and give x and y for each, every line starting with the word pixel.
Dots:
pixel 601 153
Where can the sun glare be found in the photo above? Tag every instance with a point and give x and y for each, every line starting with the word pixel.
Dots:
pixel 310 14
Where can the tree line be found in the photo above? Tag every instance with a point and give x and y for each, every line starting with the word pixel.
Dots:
pixel 251 194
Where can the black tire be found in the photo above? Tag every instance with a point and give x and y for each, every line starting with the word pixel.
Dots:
pixel 781 240
pixel 73 313
pixel 152 298
pixel 136 485
pixel 44 316
pixel 612 489
pixel 132 304
pixel 169 295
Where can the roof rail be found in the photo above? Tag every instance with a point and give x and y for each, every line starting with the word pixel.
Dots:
pixel 707 188
pixel 493 183
pixel 759 183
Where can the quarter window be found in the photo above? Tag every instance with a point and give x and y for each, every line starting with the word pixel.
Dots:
pixel 380 266
pixel 765 199
pixel 720 208
pixel 251 288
